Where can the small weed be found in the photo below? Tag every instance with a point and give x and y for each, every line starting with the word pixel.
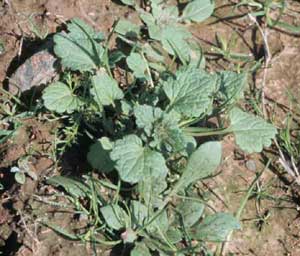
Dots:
pixel 144 148
pixel 39 31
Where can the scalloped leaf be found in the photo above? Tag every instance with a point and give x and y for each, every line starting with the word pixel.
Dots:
pixel 105 89
pixel 190 92
pixel 134 162
pixel 252 133
pixel 58 97
pixel 79 49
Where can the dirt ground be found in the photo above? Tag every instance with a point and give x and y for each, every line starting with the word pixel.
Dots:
pixel 271 219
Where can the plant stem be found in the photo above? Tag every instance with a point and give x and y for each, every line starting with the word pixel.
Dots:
pixel 199 132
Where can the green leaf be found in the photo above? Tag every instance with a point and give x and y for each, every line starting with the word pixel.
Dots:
pixel 146 116
pixel 115 57
pixel 215 228
pixel 150 190
pixel 153 29
pixel 114 216
pixel 20 177
pixel 190 144
pixel 190 211
pixel 138 65
pixel 61 231
pixel 174 41
pixel 135 162
pixel 164 15
pixel 174 235
pixel 105 89
pixel 198 10
pixel 190 92
pixel 58 97
pixel 128 2
pixel 152 53
pixel 196 55
pixel 251 133
pixel 202 163
pixel 231 86
pixel 127 28
pixel 73 187
pixel 162 126
pixel 140 249
pixel 98 155
pixel 167 134
pixel 141 215
pixel 78 49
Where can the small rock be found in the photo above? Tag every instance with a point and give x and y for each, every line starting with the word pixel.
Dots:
pixel 251 165
pixel 39 69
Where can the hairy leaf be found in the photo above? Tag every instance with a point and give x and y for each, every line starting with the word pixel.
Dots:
pixel 174 41
pixel 150 190
pixel 215 228
pixel 174 235
pixel 153 28
pixel 190 211
pixel 105 89
pixel 198 10
pixel 115 217
pixel 162 126
pixel 98 155
pixel 73 187
pixel 138 65
pixel 140 249
pixel 127 28
pixel 190 92
pixel 78 49
pixel 231 86
pixel 146 116
pixel 135 162
pixel 202 163
pixel 58 97
pixel 141 214
pixel 164 15
pixel 251 133
pixel 167 134
pixel 196 55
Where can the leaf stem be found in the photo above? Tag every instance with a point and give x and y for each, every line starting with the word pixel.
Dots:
pixel 200 132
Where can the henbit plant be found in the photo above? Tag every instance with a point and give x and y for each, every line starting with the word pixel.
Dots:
pixel 144 132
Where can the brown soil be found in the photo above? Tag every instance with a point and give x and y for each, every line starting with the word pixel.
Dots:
pixel 22 208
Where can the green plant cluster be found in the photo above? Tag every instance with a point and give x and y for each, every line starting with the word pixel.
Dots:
pixel 146 104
